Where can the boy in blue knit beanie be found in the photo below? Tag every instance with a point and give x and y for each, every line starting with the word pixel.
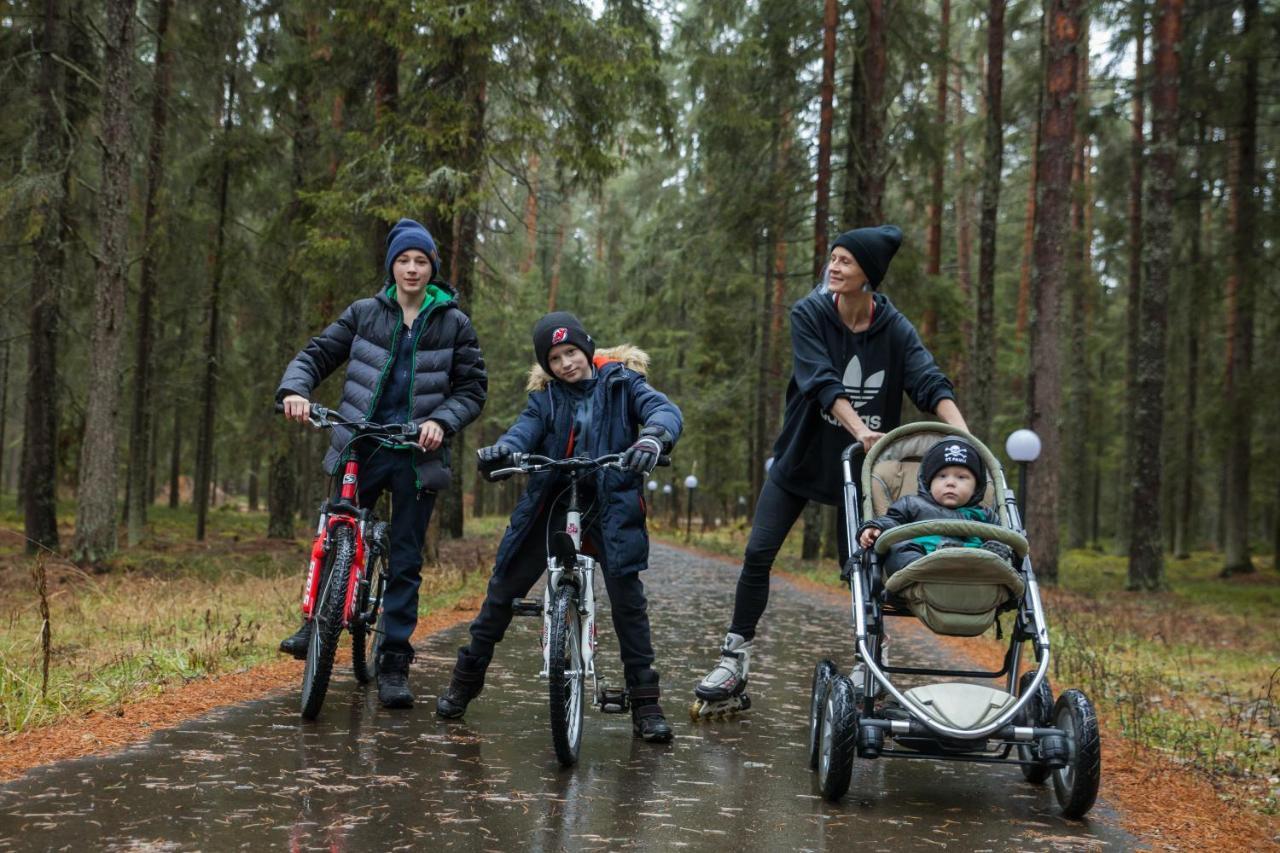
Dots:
pixel 413 358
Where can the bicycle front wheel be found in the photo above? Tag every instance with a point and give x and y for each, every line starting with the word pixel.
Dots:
pixel 327 621
pixel 566 676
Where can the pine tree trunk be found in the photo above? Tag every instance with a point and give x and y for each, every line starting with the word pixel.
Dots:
pixel 1077 445
pixel 1146 554
pixel 209 385
pixel 1192 280
pixel 983 343
pixel 964 248
pixel 933 251
pixel 1133 303
pixel 531 216
pixel 1051 240
pixel 40 435
pixel 553 289
pixel 826 117
pixel 876 69
pixel 1239 396
pixel 142 413
pixel 96 518
pixel 4 402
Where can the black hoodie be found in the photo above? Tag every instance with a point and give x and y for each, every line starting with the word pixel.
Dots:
pixel 871 369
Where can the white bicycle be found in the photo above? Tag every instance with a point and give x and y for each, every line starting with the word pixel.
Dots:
pixel 568 609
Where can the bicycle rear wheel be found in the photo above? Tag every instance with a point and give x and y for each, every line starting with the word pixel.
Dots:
pixel 567 685
pixel 327 619
pixel 368 618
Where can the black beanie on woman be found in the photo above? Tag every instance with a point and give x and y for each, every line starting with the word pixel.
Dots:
pixel 872 248
pixel 559 327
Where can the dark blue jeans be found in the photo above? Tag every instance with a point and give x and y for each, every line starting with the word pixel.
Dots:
pixel 628 605
pixel 392 471
pixel 776 513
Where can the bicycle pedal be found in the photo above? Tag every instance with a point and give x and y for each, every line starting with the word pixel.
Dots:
pixel 613 701
pixel 527 606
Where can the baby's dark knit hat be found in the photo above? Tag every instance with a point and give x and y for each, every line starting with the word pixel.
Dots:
pixel 953 451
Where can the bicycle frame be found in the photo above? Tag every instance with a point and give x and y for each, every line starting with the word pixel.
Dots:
pixel 583 577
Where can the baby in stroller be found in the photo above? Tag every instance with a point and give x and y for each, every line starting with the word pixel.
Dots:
pixel 944 546
pixel 948 489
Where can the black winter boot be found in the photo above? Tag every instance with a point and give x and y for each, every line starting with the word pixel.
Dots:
pixel 465 685
pixel 393 680
pixel 647 721
pixel 296 643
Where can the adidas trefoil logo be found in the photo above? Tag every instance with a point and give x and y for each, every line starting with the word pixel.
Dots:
pixel 861 391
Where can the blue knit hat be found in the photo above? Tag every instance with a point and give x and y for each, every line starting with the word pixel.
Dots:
pixel 872 248
pixel 405 235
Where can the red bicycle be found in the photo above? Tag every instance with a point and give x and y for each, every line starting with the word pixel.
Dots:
pixel 348 570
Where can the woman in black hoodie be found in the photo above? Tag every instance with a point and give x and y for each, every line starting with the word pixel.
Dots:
pixel 853 357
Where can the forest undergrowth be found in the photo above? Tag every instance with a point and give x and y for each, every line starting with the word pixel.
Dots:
pixel 165 613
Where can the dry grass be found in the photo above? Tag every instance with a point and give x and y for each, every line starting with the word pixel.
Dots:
pixel 165 614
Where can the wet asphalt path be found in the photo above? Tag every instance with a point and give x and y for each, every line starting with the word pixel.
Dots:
pixel 361 778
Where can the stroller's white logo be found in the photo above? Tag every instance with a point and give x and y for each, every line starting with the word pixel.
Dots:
pixel 954 454
pixel 862 392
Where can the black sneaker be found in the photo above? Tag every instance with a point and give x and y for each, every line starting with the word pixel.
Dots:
pixel 296 643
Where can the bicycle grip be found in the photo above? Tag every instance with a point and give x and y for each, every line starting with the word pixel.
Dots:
pixel 279 407
pixel 664 461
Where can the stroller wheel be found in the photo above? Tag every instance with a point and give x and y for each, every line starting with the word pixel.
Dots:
pixel 838 739
pixel 822 675
pixel 1037 712
pixel 1076 784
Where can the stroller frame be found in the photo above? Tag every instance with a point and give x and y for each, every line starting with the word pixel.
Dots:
pixel 1058 740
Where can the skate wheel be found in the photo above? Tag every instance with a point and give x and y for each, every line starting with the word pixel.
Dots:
pixel 695 710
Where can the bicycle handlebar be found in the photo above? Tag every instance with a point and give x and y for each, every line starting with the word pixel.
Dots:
pixel 391 435
pixel 531 463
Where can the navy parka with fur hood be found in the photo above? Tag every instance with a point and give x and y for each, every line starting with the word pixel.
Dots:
pixel 623 403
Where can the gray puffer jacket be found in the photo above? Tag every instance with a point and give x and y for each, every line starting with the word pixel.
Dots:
pixel 449 380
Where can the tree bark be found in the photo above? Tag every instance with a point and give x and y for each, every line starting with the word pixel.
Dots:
pixel 1146 554
pixel 1133 287
pixel 981 408
pixel 826 116
pixel 933 252
pixel 876 67
pixel 143 405
pixel 964 250
pixel 1077 445
pixel 209 385
pixel 96 535
pixel 1239 396
pixel 531 216
pixel 38 475
pixel 1051 231
pixel 1192 280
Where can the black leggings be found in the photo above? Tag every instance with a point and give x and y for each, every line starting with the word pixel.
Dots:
pixel 776 513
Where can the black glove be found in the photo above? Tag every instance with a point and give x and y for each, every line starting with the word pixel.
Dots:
pixel 493 457
pixel 642 456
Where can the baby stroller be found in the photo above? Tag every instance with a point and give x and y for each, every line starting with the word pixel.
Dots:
pixel 954 591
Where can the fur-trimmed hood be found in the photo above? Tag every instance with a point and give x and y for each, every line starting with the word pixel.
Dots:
pixel 632 358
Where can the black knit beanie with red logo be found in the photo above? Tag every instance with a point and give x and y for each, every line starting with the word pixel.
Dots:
pixel 559 327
